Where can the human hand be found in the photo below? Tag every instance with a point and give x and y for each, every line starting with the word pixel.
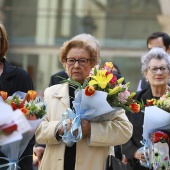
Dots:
pixel 86 128
pixel 140 156
pixel 60 131
pixel 124 160
pixel 39 151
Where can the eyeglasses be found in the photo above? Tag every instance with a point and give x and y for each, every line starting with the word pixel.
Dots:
pixel 155 69
pixel 81 61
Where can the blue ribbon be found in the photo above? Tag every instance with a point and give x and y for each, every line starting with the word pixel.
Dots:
pixel 75 132
pixel 146 152
pixel 13 164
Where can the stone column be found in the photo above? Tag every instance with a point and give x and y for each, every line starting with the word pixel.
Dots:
pixel 164 19
pixel 45 36
pixel 1 13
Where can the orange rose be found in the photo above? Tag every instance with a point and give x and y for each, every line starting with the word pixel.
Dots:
pixel 89 90
pixel 151 102
pixel 24 110
pixel 4 94
pixel 135 107
pixel 31 95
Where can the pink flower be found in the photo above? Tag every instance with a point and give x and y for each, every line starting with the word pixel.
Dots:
pixel 163 97
pixel 108 66
pixel 92 70
pixel 122 97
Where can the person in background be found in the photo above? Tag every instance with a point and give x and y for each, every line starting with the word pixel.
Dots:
pixel 78 57
pixel 157 39
pixel 156 69
pixel 13 79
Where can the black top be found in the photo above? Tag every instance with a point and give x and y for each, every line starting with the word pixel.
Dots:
pixel 11 80
pixel 58 77
pixel 14 79
pixel 70 152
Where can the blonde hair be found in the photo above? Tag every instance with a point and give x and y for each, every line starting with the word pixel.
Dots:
pixel 85 41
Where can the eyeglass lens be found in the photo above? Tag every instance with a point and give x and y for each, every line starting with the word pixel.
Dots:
pixel 81 61
pixel 155 69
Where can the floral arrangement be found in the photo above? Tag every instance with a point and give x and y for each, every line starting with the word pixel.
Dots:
pixel 154 130
pixel 32 107
pixel 97 100
pixel 102 78
pixel 162 103
pixel 22 114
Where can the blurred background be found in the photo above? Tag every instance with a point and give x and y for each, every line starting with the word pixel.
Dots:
pixel 37 28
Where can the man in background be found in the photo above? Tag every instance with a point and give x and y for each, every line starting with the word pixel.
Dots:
pixel 157 39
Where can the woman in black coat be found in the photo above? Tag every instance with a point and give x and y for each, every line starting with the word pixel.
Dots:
pixel 13 79
pixel 156 69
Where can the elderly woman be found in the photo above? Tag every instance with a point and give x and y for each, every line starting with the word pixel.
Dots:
pixel 155 68
pixel 78 57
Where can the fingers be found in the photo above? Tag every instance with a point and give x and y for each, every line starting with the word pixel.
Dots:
pixel 142 158
pixel 39 151
pixel 124 160
pixel 86 128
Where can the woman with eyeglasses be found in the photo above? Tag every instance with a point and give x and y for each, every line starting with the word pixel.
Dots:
pixel 78 56
pixel 156 69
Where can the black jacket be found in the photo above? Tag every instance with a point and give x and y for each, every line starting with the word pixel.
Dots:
pixel 11 80
pixel 14 79
pixel 58 77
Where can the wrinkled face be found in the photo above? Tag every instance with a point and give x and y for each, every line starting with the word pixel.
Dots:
pixel 79 70
pixel 157 42
pixel 157 73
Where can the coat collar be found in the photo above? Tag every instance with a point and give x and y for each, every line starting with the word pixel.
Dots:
pixel 62 92
pixel 9 70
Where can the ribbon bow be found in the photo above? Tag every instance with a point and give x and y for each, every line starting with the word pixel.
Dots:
pixel 13 164
pixel 75 133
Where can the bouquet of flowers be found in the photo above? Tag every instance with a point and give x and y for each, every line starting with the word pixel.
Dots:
pixel 98 99
pixel 32 109
pixel 154 109
pixel 12 124
pixel 156 120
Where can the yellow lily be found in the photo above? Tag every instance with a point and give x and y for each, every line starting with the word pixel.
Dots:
pixel 127 84
pixel 114 90
pixel 109 64
pixel 132 95
pixel 119 81
pixel 101 79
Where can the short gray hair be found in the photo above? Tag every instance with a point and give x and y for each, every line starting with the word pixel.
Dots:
pixel 154 53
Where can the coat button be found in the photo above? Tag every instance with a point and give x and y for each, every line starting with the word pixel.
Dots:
pixel 46 140
pixel 79 161
pixel 98 138
pixel 103 139
pixel 50 140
